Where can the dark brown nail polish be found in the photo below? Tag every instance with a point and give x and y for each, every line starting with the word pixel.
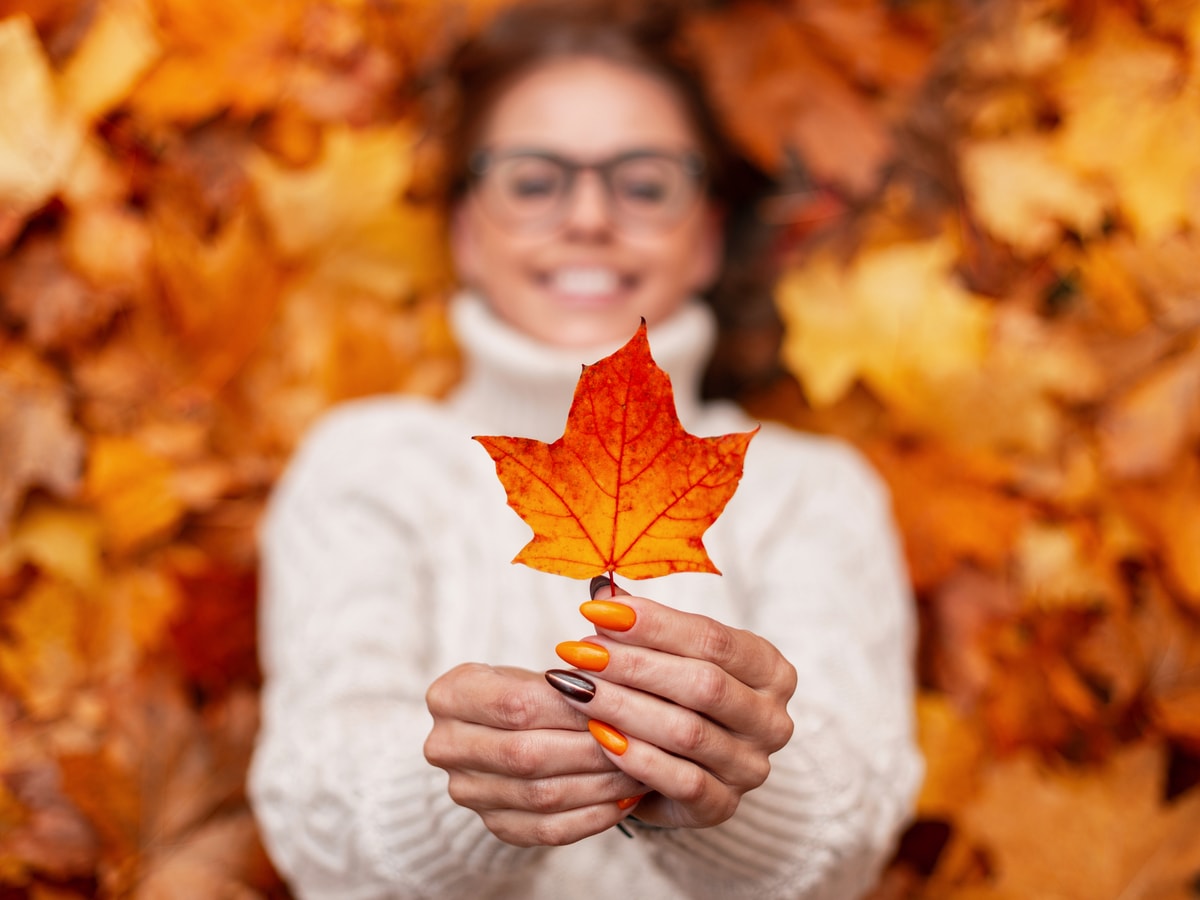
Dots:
pixel 572 685
pixel 599 582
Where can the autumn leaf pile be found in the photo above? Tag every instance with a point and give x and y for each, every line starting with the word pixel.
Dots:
pixel 211 231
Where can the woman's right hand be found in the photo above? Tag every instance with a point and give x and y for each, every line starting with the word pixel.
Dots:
pixel 522 758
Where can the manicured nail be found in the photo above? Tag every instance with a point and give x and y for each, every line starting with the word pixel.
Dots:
pixel 629 802
pixel 583 655
pixel 610 739
pixel 609 614
pixel 572 685
pixel 600 581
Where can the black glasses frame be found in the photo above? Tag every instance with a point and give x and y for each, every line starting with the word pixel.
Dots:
pixel 482 161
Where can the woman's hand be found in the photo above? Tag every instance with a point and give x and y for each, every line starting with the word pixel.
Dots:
pixel 522 758
pixel 693 708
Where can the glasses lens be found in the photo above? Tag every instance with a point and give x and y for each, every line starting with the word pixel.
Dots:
pixel 652 189
pixel 524 189
pixel 531 190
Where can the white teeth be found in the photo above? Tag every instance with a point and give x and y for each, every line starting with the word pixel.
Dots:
pixel 585 281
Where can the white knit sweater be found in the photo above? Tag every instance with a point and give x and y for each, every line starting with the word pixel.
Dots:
pixel 386 562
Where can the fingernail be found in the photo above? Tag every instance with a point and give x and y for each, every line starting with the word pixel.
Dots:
pixel 569 684
pixel 600 581
pixel 609 614
pixel 610 739
pixel 629 802
pixel 583 655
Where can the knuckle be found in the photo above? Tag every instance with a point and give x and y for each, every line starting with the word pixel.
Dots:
pixel 543 795
pixel 459 790
pixel 636 669
pixel 757 771
pixel 434 750
pixel 711 687
pixel 514 710
pixel 520 755
pixel 691 734
pixel 788 680
pixel 716 643
pixel 550 833
pixel 781 731
pixel 692 786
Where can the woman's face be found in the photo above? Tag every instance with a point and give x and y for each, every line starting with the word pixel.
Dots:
pixel 579 259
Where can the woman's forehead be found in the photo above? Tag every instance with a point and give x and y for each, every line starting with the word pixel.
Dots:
pixel 588 106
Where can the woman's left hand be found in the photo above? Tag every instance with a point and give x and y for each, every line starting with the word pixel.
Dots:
pixel 698 707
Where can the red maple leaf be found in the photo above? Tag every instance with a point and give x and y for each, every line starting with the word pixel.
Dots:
pixel 626 489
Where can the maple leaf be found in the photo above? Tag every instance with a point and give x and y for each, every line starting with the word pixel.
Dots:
pixel 1150 846
pixel 37 140
pixel 1024 196
pixel 626 489
pixel 898 319
pixel 1129 117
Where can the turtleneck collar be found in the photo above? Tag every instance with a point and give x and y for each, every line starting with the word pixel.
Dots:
pixel 515 385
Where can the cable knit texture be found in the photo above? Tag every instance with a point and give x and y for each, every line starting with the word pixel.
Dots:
pixel 386 555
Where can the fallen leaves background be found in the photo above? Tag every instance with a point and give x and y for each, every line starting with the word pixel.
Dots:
pixel 211 231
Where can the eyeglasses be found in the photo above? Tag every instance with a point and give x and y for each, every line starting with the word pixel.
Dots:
pixel 531 189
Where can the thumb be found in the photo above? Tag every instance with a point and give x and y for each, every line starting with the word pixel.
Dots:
pixel 603 587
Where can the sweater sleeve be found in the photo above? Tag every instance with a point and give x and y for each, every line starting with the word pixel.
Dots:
pixel 824 563
pixel 348 806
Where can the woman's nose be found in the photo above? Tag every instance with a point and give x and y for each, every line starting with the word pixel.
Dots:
pixel 589 207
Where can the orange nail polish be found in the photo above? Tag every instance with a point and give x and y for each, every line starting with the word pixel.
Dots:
pixel 610 739
pixel 583 655
pixel 629 802
pixel 609 614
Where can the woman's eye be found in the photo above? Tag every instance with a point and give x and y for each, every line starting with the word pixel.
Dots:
pixel 644 191
pixel 527 180
pixel 532 188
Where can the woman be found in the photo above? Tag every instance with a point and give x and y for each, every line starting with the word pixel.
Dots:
pixel 755 733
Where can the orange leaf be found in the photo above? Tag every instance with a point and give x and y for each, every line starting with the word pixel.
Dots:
pixel 625 489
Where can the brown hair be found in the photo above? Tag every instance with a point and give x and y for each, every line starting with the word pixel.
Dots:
pixel 648 35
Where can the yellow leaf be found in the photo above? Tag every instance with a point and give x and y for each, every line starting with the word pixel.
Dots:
pixel 129 619
pixel 368 240
pixel 1131 115
pixel 40 655
pixel 1009 402
pixel 1062 566
pixel 896 318
pixel 62 542
pixel 1168 509
pixel 953 751
pixel 1024 196
pixel 132 491
pixel 118 48
pixel 37 141
pixel 221 292
pixel 219 56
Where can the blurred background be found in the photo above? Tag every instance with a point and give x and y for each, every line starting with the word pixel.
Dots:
pixel 214 224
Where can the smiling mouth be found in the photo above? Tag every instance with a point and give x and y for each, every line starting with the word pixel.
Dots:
pixel 587 282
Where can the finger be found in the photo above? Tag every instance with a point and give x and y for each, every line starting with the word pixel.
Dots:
pixel 686 795
pixel 539 753
pixel 553 794
pixel 675 729
pixel 505 698
pixel 527 829
pixel 696 685
pixel 743 654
